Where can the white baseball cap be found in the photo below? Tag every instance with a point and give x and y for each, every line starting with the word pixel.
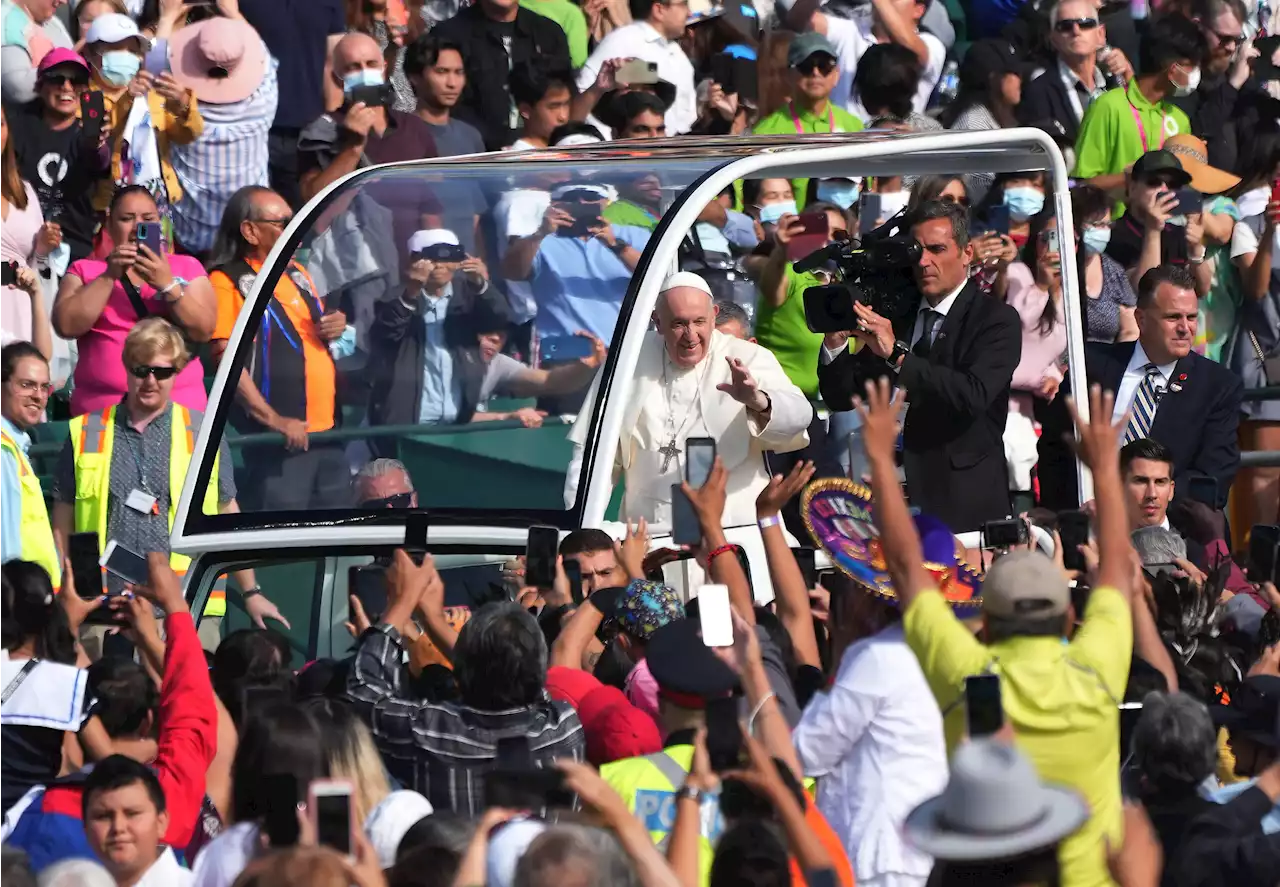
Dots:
pixel 431 237
pixel 113 28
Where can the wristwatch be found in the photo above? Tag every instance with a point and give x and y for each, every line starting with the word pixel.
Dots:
pixel 618 247
pixel 250 592
pixel 899 351
pixel 694 794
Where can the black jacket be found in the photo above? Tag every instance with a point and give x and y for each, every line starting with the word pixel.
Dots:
pixel 1197 423
pixel 1211 110
pixel 1225 845
pixel 397 338
pixel 486 99
pixel 1046 105
pixel 953 442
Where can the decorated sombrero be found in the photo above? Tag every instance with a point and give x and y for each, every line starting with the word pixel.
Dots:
pixel 838 514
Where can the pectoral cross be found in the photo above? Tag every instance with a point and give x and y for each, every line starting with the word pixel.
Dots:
pixel 669 452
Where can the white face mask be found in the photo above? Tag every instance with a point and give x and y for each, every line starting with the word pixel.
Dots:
pixel 1193 83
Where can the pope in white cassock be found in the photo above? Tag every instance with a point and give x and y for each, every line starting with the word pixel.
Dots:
pixel 694 381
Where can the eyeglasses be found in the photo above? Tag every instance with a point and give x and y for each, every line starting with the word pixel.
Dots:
pixel 282 222
pixel 1067 25
pixel 823 64
pixel 63 80
pixel 30 386
pixel 1157 181
pixel 951 198
pixel 162 374
pixel 399 500
pixel 1228 40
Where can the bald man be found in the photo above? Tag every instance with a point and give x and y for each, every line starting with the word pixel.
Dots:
pixel 691 380
pixel 334 145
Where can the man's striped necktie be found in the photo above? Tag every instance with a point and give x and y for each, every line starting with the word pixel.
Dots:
pixel 1144 404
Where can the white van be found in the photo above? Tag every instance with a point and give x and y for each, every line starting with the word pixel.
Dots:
pixel 481 485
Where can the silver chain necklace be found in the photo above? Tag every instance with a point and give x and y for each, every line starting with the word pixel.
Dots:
pixel 670 451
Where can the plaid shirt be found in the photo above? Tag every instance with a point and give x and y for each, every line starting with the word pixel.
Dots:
pixel 443 750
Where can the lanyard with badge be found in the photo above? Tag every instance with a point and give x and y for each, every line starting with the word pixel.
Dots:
pixel 831 118
pixel 1167 124
pixel 140 498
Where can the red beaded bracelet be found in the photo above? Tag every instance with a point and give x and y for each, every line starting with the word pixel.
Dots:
pixel 723 549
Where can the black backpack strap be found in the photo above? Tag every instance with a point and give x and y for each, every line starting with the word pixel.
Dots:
pixel 135 297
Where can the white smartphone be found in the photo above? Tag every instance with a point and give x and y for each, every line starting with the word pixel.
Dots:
pixel 128 565
pixel 330 806
pixel 715 616
pixel 1051 240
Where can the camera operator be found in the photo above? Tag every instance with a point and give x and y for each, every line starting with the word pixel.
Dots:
pixel 955 356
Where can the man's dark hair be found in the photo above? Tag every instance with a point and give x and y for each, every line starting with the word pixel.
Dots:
pixel 886 80
pixel 1144 448
pixel 126 695
pixel 443 830
pixel 1208 10
pixel 424 53
pixel 1037 867
pixel 1000 628
pixel 530 82
pixel 640 8
pixel 14 352
pixel 1170 38
pixel 500 659
pixel 728 310
pixel 632 104
pixel 228 243
pixel 585 541
pixel 753 852
pixel 954 213
pixel 251 657
pixel 1176 275
pixel 1088 202
pixel 119 771
pixel 1174 745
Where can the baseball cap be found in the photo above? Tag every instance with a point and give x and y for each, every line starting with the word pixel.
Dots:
pixel 61 56
pixel 989 58
pixel 1161 161
pixel 616 729
pixel 647 606
pixel 807 44
pixel 1025 584
pixel 113 28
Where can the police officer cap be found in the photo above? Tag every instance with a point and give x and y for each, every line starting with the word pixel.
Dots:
pixel 683 666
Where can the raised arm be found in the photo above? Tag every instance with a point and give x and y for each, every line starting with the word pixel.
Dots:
pixel 724 568
pixel 1098 446
pixel 792 599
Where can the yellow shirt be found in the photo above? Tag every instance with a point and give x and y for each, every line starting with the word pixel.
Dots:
pixel 1062 700
pixel 169 129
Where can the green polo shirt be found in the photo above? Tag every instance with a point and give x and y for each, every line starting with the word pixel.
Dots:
pixel 783 331
pixel 781 122
pixel 569 17
pixel 1110 139
pixel 624 212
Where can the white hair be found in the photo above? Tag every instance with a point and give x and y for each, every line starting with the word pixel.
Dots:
pixel 1053 10
pixel 381 468
pixel 76 873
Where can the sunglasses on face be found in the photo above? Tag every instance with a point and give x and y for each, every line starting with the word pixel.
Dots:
pixel 1067 25
pixel 161 374
pixel 948 198
pixel 399 500
pixel 823 64
pixel 63 80
pixel 1158 181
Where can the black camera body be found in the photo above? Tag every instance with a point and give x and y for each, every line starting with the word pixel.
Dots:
pixel 875 272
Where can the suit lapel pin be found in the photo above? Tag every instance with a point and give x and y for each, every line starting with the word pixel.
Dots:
pixel 1175 387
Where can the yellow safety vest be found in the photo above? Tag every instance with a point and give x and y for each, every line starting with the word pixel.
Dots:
pixel 649 784
pixel 92 438
pixel 34 527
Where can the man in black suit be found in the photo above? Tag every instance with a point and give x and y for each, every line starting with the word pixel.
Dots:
pixel 955 358
pixel 1057 98
pixel 1185 401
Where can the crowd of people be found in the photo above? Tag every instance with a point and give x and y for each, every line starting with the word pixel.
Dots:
pixel 154 155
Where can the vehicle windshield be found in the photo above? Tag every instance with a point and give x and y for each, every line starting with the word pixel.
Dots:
pixel 448 316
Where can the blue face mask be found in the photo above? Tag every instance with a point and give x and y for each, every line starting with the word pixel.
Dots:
pixel 1023 202
pixel 770 213
pixel 842 194
pixel 119 66
pixel 1095 240
pixel 363 77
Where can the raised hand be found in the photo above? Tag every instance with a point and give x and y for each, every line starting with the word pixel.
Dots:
pixel 743 387
pixel 631 551
pixel 881 414
pixel 781 490
pixel 708 501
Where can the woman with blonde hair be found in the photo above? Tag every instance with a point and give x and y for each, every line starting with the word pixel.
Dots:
pixel 349 750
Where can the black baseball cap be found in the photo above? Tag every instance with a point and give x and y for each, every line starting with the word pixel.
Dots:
pixel 1161 162
pixel 991 57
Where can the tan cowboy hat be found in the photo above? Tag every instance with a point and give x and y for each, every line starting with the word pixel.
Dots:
pixel 1194 157
pixel 222 60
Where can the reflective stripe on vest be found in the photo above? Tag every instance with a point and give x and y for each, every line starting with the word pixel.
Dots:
pixel 93 438
pixel 34 529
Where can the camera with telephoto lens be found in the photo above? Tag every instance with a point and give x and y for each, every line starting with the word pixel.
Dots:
pixel 875 272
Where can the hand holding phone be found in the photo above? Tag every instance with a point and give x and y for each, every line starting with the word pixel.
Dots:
pixel 541 552
pixel 148 234
pixel 331 808
pixel 699 459
pixel 812 236
pixel 1073 531
pixel 715 615
pixel 984 709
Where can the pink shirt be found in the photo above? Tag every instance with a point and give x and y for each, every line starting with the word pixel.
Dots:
pixel 100 377
pixel 17 244
pixel 1041 353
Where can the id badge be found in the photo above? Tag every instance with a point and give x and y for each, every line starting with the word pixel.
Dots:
pixel 143 503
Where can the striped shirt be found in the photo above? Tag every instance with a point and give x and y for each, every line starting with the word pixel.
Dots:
pixel 230 154
pixel 444 749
